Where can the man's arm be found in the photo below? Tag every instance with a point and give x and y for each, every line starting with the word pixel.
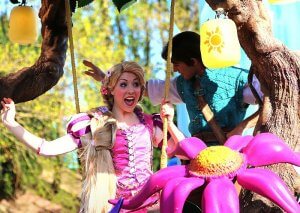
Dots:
pixel 245 124
pixel 248 98
pixel 93 71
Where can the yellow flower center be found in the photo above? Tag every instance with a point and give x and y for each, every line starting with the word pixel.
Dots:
pixel 216 161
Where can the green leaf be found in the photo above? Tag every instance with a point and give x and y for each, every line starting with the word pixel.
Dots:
pixel 123 4
pixel 14 1
pixel 82 3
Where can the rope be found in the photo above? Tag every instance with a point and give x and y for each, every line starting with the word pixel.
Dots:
pixel 164 157
pixel 69 25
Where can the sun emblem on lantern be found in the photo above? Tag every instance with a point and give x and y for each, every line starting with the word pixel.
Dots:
pixel 214 168
pixel 214 40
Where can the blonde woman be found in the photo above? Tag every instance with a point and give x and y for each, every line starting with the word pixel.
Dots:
pixel 117 140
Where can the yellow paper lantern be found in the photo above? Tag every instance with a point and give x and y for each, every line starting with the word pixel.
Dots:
pixel 219 44
pixel 281 1
pixel 23 25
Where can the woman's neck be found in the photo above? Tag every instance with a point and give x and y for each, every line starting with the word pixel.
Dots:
pixel 125 118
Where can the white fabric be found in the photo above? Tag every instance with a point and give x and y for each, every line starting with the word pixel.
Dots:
pixel 155 89
pixel 248 97
pixel 59 146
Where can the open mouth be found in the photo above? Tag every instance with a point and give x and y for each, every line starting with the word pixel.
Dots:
pixel 129 101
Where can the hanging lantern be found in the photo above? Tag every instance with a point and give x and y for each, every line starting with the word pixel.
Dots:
pixel 23 25
pixel 281 1
pixel 219 44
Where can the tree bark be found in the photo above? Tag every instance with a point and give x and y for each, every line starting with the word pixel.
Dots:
pixel 278 70
pixel 31 82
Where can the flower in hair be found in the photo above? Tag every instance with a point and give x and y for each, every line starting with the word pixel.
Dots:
pixel 104 90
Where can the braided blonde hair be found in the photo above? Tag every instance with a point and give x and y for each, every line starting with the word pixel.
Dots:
pixel 99 182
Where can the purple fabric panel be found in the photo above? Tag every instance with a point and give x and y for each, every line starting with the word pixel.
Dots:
pixel 73 122
pixel 120 152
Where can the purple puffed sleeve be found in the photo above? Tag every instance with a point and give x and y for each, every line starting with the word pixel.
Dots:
pixel 78 126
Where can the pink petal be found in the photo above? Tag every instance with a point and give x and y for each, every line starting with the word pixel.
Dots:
pixel 190 147
pixel 182 191
pixel 167 198
pixel 155 183
pixel 268 184
pixel 267 148
pixel 220 195
pixel 238 142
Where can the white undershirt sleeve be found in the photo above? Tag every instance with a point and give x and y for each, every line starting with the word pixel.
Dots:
pixel 58 146
pixel 156 88
pixel 248 96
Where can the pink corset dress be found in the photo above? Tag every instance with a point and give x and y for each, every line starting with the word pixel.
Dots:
pixel 132 156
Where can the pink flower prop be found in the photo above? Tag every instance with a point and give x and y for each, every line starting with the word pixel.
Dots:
pixel 215 167
pixel 104 90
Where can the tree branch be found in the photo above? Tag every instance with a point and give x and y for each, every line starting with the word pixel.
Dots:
pixel 31 82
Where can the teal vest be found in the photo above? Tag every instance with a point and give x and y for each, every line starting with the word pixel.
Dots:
pixel 223 92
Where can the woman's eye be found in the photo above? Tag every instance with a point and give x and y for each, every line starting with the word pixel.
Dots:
pixel 123 84
pixel 136 84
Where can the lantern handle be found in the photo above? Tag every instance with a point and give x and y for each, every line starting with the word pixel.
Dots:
pixel 219 12
pixel 23 3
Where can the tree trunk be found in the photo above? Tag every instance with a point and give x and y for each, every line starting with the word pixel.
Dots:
pixel 278 71
pixel 31 82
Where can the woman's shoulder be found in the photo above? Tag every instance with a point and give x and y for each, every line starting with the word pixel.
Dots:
pixel 101 110
pixel 78 122
pixel 83 118
pixel 79 117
